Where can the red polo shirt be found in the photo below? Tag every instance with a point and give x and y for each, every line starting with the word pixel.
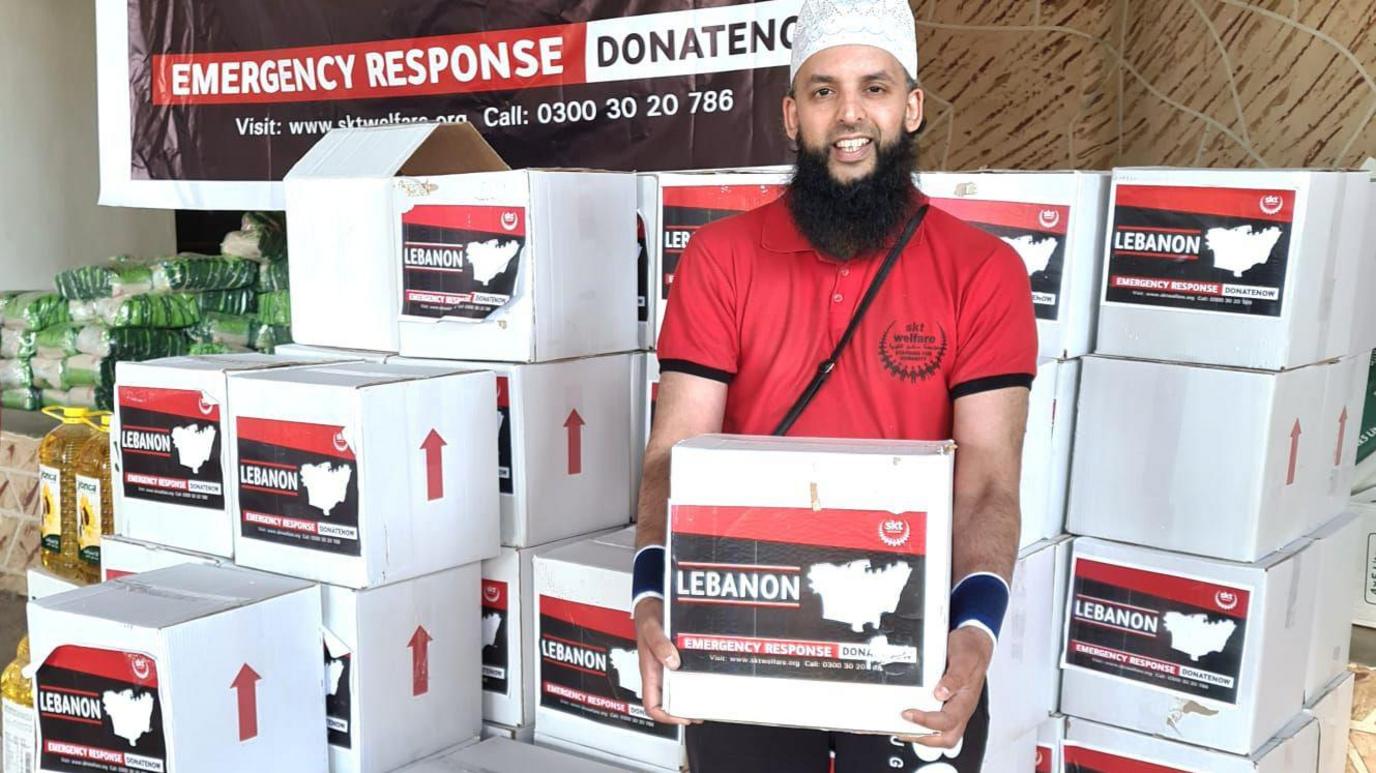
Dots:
pixel 757 307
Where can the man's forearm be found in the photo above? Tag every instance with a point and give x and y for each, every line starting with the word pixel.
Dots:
pixel 653 509
pixel 986 526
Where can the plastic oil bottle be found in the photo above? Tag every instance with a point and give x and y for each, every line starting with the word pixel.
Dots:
pixel 57 489
pixel 95 512
pixel 18 713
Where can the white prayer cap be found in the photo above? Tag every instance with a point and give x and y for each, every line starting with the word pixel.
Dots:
pixel 884 24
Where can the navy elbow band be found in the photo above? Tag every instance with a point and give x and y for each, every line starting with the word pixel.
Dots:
pixel 980 599
pixel 647 574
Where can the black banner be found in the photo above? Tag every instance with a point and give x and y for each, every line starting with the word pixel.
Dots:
pixel 496 637
pixel 170 442
pixel 236 91
pixel 339 699
pixel 99 710
pixel 460 261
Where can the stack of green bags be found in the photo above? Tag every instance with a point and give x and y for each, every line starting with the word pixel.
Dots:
pixel 23 315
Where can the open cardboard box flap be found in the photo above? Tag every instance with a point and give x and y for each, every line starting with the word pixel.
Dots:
pixel 453 148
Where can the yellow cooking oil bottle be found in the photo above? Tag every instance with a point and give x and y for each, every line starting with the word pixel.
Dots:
pixel 19 740
pixel 57 489
pixel 95 512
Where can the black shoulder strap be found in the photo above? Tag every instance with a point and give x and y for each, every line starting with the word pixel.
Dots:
pixel 829 364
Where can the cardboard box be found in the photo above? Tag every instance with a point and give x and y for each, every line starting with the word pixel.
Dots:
pixel 650 393
pixel 563 445
pixel 1332 712
pixel 1364 477
pixel 208 668
pixel 501 755
pixel 1218 462
pixel 1340 431
pixel 589 669
pixel 168 451
pixel 509 656
pixel 1050 736
pixel 1338 550
pixel 673 205
pixel 399 678
pixel 1018 754
pixel 1198 650
pixel 1046 449
pixel 43 583
pixel 821 566
pixel 584 752
pixel 1090 746
pixel 123 556
pixel 1055 221
pixel 1064 548
pixel 1364 611
pixel 1244 268
pixel 522 734
pixel 640 420
pixel 329 354
pixel 1023 676
pixel 363 474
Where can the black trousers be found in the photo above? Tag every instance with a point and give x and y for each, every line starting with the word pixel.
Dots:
pixel 720 747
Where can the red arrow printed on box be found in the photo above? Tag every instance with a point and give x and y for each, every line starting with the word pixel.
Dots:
pixel 420 661
pixel 574 423
pixel 434 465
pixel 245 686
pixel 1342 435
pixel 1295 433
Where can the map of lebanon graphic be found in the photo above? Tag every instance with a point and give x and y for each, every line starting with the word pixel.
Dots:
pixel 490 258
pixel 1238 249
pixel 333 670
pixel 326 484
pixel 627 665
pixel 1197 635
pixel 492 622
pixel 1035 253
pixel 130 712
pixel 855 594
pixel 193 445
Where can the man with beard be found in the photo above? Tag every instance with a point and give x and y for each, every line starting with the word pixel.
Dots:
pixel 947 349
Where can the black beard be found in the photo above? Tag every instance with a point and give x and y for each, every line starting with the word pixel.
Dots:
pixel 847 219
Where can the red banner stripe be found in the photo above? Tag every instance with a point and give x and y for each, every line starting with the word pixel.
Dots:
pixel 1104 762
pixel 498 221
pixel 494 594
pixel 1222 599
pixel 1046 218
pixel 869 530
pixel 735 198
pixel 613 622
pixel 1272 204
pixel 130 667
pixel 494 60
pixel 186 403
pixel 1045 756
pixel 320 439
pixel 503 392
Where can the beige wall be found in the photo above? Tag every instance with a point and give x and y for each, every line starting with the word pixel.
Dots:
pixel 1044 84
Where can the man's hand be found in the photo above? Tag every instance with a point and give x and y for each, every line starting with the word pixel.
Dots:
pixel 968 653
pixel 656 654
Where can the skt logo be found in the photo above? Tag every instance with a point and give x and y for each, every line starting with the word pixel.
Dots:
pixel 491 593
pixel 509 221
pixel 1226 600
pixel 1271 203
pixel 894 532
pixel 141 666
pixel 206 407
pixel 1049 218
pixel 341 444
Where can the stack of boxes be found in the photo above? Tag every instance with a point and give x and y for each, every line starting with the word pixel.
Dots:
pixel 1214 449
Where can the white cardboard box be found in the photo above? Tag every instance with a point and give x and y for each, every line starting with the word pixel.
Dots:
pixel 1014 755
pixel 206 668
pixel 1364 477
pixel 363 474
pixel 1364 611
pixel 1332 711
pixel 1338 549
pixel 650 394
pixel 1192 649
pixel 823 566
pixel 1065 548
pixel 1245 268
pixel 501 755
pixel 1340 428
pixel 673 205
pixel 123 556
pixel 509 656
pixel 1095 747
pixel 1050 736
pixel 563 444
pixel 168 453
pixel 589 669
pixel 309 353
pixel 640 420
pixel 1219 462
pixel 584 752
pixel 522 734
pixel 1055 220
pixel 399 678
pixel 1023 676
pixel 1046 449
pixel 43 583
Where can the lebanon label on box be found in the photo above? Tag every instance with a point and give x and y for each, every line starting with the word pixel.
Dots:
pixel 1162 630
pixel 804 575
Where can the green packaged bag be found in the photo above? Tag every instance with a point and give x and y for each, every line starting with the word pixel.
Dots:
pixel 192 272
pixel 57 341
pixel 49 373
pixel 16 344
pixel 87 397
pixel 15 374
pixel 230 329
pixel 273 276
pixel 229 301
pixel 169 310
pixel 261 236
pixel 20 399
pixel 270 337
pixel 131 343
pixel 199 349
pixel 275 308
pixel 86 370
pixel 35 311
pixel 119 276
